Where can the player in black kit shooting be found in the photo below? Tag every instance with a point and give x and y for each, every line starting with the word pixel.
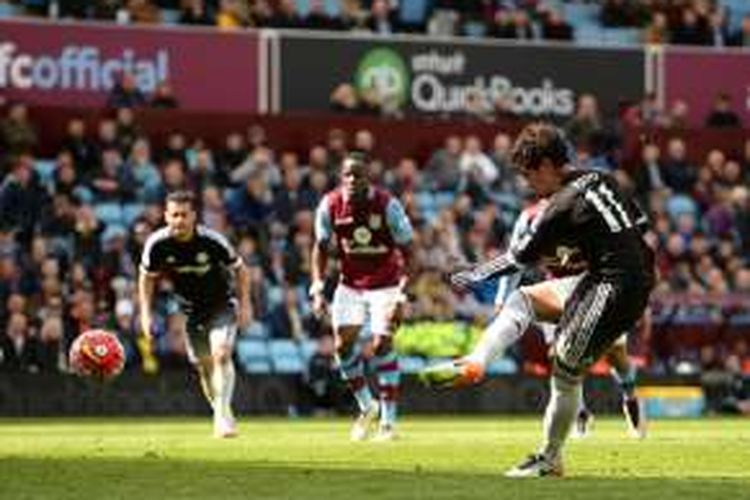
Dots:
pixel 199 262
pixel 586 211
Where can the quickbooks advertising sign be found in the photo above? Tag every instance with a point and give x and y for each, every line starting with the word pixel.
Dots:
pixel 440 78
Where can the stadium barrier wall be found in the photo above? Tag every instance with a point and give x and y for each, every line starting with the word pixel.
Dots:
pixel 75 64
pixel 177 393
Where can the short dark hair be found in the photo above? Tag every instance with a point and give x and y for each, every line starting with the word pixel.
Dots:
pixel 356 157
pixel 538 141
pixel 180 197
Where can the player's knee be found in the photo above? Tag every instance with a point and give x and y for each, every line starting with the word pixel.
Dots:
pixel 222 354
pixel 345 341
pixel 566 370
pixel 519 306
pixel 382 345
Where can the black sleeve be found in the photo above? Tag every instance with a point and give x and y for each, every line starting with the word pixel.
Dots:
pixel 637 215
pixel 548 229
pixel 224 251
pixel 152 261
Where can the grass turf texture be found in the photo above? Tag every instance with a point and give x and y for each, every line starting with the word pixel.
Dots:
pixel 451 458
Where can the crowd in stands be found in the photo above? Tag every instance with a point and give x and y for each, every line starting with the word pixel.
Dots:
pixel 72 226
pixel 685 22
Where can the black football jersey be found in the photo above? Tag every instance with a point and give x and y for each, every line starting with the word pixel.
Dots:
pixel 591 215
pixel 200 268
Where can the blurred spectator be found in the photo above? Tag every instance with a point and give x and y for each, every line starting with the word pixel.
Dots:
pixel 344 99
pixel 679 174
pixel 249 207
pixel 692 30
pixel 554 27
pixel 741 37
pixel 164 97
pixel 143 11
pixel 443 171
pixel 80 147
pixel 232 14
pixel 17 134
pixel 649 177
pixel 286 16
pixel 475 165
pixel 318 19
pixel 21 200
pixel 658 31
pixel 196 12
pixel 586 124
pixel 125 93
pixel 718 30
pixel 382 19
pixel 18 346
pixel 722 115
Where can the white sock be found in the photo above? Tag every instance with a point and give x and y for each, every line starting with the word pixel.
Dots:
pixel 559 415
pixel 218 382
pixel 229 378
pixel 505 330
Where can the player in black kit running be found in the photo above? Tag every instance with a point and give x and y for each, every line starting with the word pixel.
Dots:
pixel 200 263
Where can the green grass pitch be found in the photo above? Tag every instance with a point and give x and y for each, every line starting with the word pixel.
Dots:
pixel 436 458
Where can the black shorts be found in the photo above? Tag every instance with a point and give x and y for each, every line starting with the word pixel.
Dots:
pixel 597 313
pixel 204 333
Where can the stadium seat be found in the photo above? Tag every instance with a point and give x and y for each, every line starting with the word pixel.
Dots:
pixel 332 7
pixel 444 199
pixel 413 11
pixel 303 7
pixel 253 353
pixel 109 213
pixel 589 35
pixel 131 211
pixel 170 16
pixel 622 36
pixel 581 14
pixel 257 366
pixel 474 29
pixel 286 357
pixel 10 10
pixel 307 349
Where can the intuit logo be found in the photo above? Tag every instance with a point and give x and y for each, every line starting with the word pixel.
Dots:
pixel 82 68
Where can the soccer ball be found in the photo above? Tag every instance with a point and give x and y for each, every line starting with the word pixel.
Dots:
pixel 97 354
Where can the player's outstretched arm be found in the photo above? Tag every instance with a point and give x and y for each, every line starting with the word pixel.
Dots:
pixel 146 286
pixel 245 310
pixel 499 266
pixel 319 261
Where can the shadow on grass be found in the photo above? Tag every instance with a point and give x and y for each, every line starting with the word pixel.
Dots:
pixel 153 476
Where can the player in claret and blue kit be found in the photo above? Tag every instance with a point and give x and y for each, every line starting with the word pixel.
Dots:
pixel 372 235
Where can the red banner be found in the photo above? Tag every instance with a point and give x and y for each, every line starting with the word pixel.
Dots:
pixel 72 64
pixel 698 76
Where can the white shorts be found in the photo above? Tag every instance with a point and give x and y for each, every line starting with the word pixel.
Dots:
pixel 352 307
pixel 563 288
